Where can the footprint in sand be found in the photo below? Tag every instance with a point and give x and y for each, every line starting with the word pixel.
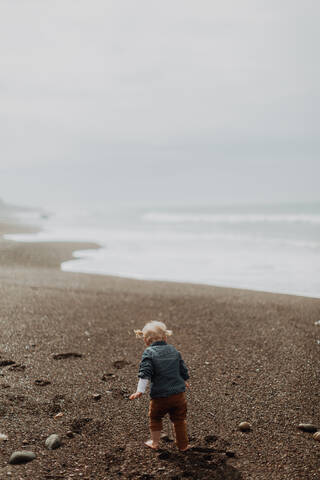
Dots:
pixel 79 423
pixel 17 367
pixel 120 393
pixel 210 438
pixel 16 398
pixel 5 363
pixel 62 356
pixel 56 404
pixel 120 364
pixel 42 383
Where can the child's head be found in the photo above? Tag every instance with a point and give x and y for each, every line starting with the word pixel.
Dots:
pixel 153 332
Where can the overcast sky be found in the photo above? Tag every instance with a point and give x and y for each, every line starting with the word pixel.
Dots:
pixel 149 101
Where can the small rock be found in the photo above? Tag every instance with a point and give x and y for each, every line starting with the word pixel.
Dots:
pixel 53 442
pixel 96 396
pixel 21 457
pixel 107 376
pixel 316 436
pixel 70 434
pixel 244 426
pixel 307 427
pixel 3 437
pixel 59 415
pixel 25 442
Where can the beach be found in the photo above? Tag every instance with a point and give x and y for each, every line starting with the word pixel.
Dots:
pixel 252 357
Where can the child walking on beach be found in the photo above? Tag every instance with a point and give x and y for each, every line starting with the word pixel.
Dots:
pixel 163 367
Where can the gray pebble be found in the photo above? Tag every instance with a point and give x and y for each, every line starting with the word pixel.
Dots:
pixel 244 426
pixel 52 442
pixel 21 457
pixel 307 427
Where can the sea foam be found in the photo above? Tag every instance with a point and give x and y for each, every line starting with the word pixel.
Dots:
pixel 274 251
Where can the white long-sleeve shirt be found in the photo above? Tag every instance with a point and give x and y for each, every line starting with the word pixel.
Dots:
pixel 142 385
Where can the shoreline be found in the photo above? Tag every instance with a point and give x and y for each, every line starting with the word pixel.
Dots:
pixel 253 356
pixel 82 246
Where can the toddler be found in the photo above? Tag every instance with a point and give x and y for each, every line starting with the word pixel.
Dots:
pixel 162 365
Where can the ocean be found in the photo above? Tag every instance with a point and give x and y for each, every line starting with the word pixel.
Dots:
pixel 274 248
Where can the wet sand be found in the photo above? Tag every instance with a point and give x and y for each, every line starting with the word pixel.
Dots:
pixel 252 357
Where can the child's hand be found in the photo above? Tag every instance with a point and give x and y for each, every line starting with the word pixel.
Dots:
pixel 187 384
pixel 135 395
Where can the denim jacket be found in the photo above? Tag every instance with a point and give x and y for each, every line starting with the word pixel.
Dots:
pixel 162 364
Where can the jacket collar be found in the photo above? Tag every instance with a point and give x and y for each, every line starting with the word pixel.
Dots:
pixel 158 342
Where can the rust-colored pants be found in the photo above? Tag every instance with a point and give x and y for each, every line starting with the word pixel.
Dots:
pixel 176 406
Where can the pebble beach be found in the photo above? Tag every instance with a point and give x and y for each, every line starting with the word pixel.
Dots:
pixel 69 361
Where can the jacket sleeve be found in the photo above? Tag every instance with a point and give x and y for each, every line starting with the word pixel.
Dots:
pixel 183 369
pixel 146 369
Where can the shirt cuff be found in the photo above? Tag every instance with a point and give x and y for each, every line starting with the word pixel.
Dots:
pixel 142 385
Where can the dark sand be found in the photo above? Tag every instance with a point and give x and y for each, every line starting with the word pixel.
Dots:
pixel 252 356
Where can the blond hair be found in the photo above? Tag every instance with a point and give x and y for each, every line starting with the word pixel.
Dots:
pixel 153 331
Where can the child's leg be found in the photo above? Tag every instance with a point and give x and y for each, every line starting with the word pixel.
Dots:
pixel 178 414
pixel 180 427
pixel 157 410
